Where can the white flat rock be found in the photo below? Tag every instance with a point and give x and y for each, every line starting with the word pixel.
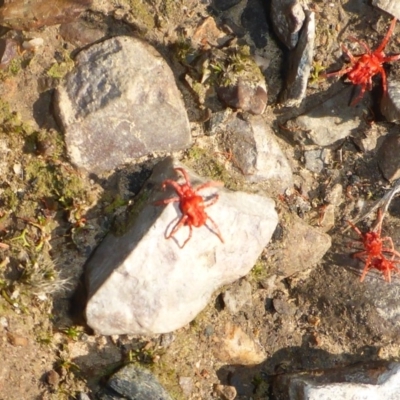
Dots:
pixel 143 283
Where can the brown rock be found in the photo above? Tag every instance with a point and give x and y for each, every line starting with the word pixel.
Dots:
pixel 17 340
pixel 236 347
pixel 243 96
pixel 208 34
pixel 225 392
pixel 53 378
pixel 27 15
pixel 304 247
pixel 8 51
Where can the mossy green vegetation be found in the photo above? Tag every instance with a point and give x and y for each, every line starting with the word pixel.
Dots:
pixel 59 69
pixel 37 188
pixel 205 164
pixel 141 11
pixel 259 271
pixel 122 225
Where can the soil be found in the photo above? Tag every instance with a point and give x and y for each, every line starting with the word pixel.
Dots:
pixel 53 216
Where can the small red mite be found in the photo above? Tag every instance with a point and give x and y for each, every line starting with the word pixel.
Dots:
pixel 375 254
pixel 364 67
pixel 191 204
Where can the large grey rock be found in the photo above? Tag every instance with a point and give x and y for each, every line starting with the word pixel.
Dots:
pixel 256 152
pixel 141 283
pixel 390 6
pixel 374 381
pixel 120 103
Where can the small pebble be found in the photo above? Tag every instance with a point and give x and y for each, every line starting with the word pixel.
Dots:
pixel 283 307
pixel 53 378
pixel 33 44
pixel 186 384
pixel 225 392
pixel 17 340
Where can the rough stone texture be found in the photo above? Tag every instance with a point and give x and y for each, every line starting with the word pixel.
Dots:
pixel 334 195
pixel 327 219
pixel 304 247
pixel 374 381
pixel 256 152
pixel 82 33
pixel 237 297
pixel 329 122
pixel 385 298
pixel 225 392
pixel 287 19
pixel 236 347
pixel 315 160
pixel 254 20
pixel 133 383
pixel 208 35
pixel 388 157
pixel 121 100
pixel 300 62
pixel 142 283
pixel 8 51
pixel 390 103
pixel 244 96
pixel 216 121
pixel 283 307
pixel 26 15
pixel 390 6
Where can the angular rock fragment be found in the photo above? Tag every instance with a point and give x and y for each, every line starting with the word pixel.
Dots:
pixel 207 34
pixel 236 297
pixel 216 121
pixel 300 62
pixel 139 282
pixel 373 381
pixel 236 347
pixel 390 103
pixel 8 51
pixel 133 382
pixel 121 101
pixel 287 19
pixel 328 122
pixel 27 15
pixel 388 157
pixel 256 152
pixel 390 6
pixel 304 247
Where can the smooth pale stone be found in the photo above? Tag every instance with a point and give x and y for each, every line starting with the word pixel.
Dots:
pixel 142 283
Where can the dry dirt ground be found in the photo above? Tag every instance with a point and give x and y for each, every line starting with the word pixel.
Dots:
pixel 53 215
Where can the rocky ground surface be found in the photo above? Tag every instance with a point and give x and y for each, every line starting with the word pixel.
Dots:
pixel 302 307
